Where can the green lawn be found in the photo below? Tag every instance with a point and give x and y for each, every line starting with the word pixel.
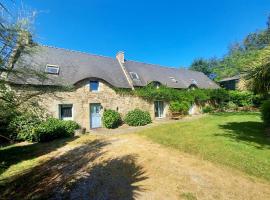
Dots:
pixel 233 139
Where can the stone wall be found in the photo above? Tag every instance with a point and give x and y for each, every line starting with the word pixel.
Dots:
pixel 81 98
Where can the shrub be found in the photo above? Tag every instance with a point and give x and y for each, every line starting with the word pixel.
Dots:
pixel 184 107
pixel 180 106
pixel 265 110
pixel 231 106
pixel 22 126
pixel 137 117
pixel 241 98
pixel 111 119
pixel 219 95
pixel 54 128
pixel 200 95
pixel 208 109
pixel 174 106
pixel 257 100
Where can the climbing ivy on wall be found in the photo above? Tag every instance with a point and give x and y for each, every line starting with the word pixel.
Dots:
pixel 163 93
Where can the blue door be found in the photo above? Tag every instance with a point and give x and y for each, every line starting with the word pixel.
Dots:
pixel 95 116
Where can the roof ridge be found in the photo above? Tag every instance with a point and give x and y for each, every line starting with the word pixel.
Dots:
pixel 162 66
pixel 76 51
pixel 152 64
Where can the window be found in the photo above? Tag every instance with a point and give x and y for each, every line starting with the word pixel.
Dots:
pixel 65 111
pixel 157 85
pixel 194 82
pixel 134 76
pixel 52 69
pixel 94 86
pixel 173 79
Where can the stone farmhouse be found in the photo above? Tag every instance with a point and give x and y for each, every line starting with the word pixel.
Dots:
pixel 94 79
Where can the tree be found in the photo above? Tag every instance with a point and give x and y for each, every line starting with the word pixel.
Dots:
pixel 13 35
pixel 201 65
pixel 258 72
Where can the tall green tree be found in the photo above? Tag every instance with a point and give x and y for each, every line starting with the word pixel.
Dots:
pixel 201 65
pixel 258 71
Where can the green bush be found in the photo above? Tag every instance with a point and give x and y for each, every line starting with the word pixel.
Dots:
pixel 219 95
pixel 22 126
pixel 111 119
pixel 174 106
pixel 208 109
pixel 265 110
pixel 231 106
pixel 54 128
pixel 137 117
pixel 241 98
pixel 180 106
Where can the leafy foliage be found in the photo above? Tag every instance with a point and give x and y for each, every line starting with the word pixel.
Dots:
pixel 265 110
pixel 22 127
pixel 203 65
pixel 111 119
pixel 52 129
pixel 180 106
pixel 231 106
pixel 208 109
pixel 137 117
pixel 162 93
pixel 241 98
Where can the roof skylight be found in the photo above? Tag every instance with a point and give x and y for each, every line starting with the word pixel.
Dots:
pixel 173 79
pixel 134 75
pixel 52 69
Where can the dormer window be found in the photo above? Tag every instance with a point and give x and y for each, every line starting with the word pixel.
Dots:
pixel 173 79
pixel 157 85
pixel 194 82
pixel 52 69
pixel 94 86
pixel 134 76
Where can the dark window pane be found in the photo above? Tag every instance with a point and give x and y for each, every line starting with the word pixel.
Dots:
pixel 66 111
pixel 94 85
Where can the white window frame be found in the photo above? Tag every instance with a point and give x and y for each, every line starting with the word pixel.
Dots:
pixel 52 66
pixel 66 105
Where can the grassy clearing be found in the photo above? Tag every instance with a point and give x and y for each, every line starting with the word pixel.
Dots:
pixel 233 139
pixel 18 159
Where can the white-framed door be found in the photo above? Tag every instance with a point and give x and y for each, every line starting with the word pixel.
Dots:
pixel 95 115
pixel 159 109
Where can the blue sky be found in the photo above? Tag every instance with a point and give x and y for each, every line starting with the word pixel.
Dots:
pixel 170 33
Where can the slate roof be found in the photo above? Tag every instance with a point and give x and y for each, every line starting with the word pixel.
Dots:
pixel 76 66
pixel 154 73
pixel 230 78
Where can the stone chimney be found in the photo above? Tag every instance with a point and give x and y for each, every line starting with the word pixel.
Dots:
pixel 120 56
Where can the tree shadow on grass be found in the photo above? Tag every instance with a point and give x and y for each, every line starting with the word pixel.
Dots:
pixel 14 154
pixel 79 173
pixel 250 132
pixel 116 178
pixel 11 155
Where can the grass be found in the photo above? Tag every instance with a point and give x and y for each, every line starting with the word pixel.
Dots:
pixel 17 158
pixel 233 139
pixel 72 168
